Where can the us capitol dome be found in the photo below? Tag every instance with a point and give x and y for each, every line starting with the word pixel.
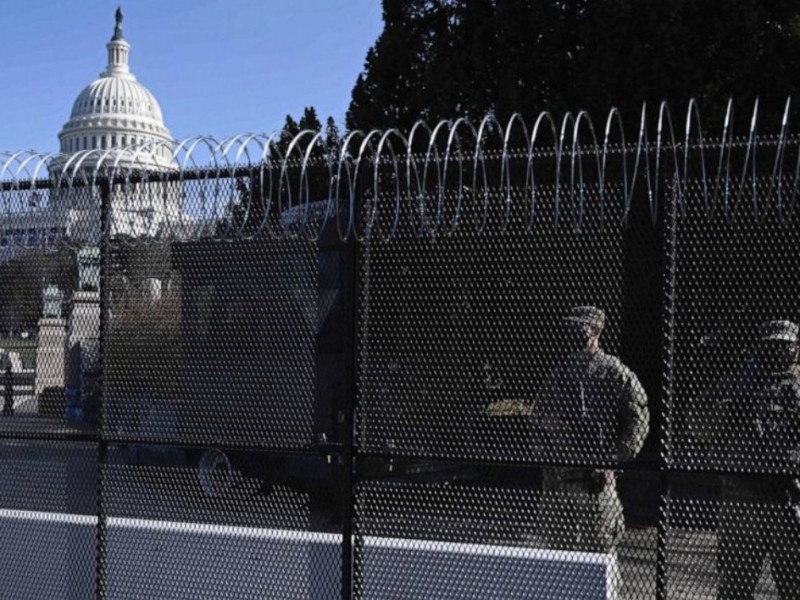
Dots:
pixel 115 111
pixel 115 121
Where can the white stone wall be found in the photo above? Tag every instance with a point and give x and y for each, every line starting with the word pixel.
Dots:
pixel 50 354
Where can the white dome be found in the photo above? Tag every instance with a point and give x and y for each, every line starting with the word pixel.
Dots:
pixel 117 96
pixel 115 121
pixel 115 111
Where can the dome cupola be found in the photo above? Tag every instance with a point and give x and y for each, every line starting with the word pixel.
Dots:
pixel 118 50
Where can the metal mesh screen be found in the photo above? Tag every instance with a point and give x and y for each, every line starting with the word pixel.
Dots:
pixel 735 272
pixel 47 519
pixel 49 318
pixel 489 368
pixel 465 337
pixel 244 532
pixel 495 534
pixel 731 547
pixel 215 342
pixel 236 343
pixel 736 394
pixel 481 344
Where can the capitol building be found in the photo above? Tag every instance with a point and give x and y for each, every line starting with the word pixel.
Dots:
pixel 115 122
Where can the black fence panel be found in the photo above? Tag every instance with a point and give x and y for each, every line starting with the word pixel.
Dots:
pixel 216 342
pixel 731 546
pixel 496 533
pixel 48 503
pixel 445 366
pixel 737 286
pixel 227 533
pixel 464 334
pixel 734 391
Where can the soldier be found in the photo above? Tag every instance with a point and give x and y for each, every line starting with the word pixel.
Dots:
pixel 756 428
pixel 593 411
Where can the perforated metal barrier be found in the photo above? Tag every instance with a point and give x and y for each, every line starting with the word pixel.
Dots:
pixel 484 364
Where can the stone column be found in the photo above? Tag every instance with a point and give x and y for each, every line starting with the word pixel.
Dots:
pixel 50 354
pixel 83 340
pixel 50 351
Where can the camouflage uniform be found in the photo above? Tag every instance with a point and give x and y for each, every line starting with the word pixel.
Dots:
pixel 757 429
pixel 602 415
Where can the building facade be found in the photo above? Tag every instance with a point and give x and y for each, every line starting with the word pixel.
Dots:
pixel 116 124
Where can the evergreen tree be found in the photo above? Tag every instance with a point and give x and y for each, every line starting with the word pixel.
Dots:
pixel 310 120
pixel 248 215
pixel 397 85
pixel 333 141
pixel 445 58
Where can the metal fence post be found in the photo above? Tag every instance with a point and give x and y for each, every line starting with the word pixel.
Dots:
pixel 665 412
pixel 8 389
pixel 102 444
pixel 348 458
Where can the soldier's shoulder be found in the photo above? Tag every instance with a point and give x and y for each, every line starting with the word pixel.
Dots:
pixel 793 379
pixel 617 371
pixel 612 364
pixel 794 372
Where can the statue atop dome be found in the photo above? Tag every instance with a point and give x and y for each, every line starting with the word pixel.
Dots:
pixel 118 27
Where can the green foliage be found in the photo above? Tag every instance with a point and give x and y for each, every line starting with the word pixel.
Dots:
pixel 133 264
pixel 145 347
pixel 25 275
pixel 440 58
pixel 260 204
pixel 144 341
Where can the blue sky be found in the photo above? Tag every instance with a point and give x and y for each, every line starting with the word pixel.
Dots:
pixel 217 68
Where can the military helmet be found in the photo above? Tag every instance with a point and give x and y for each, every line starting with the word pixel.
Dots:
pixel 587 315
pixel 779 330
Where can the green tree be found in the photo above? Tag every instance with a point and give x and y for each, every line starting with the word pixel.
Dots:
pixel 256 197
pixel 23 277
pixel 398 84
pixel 333 141
pixel 443 58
